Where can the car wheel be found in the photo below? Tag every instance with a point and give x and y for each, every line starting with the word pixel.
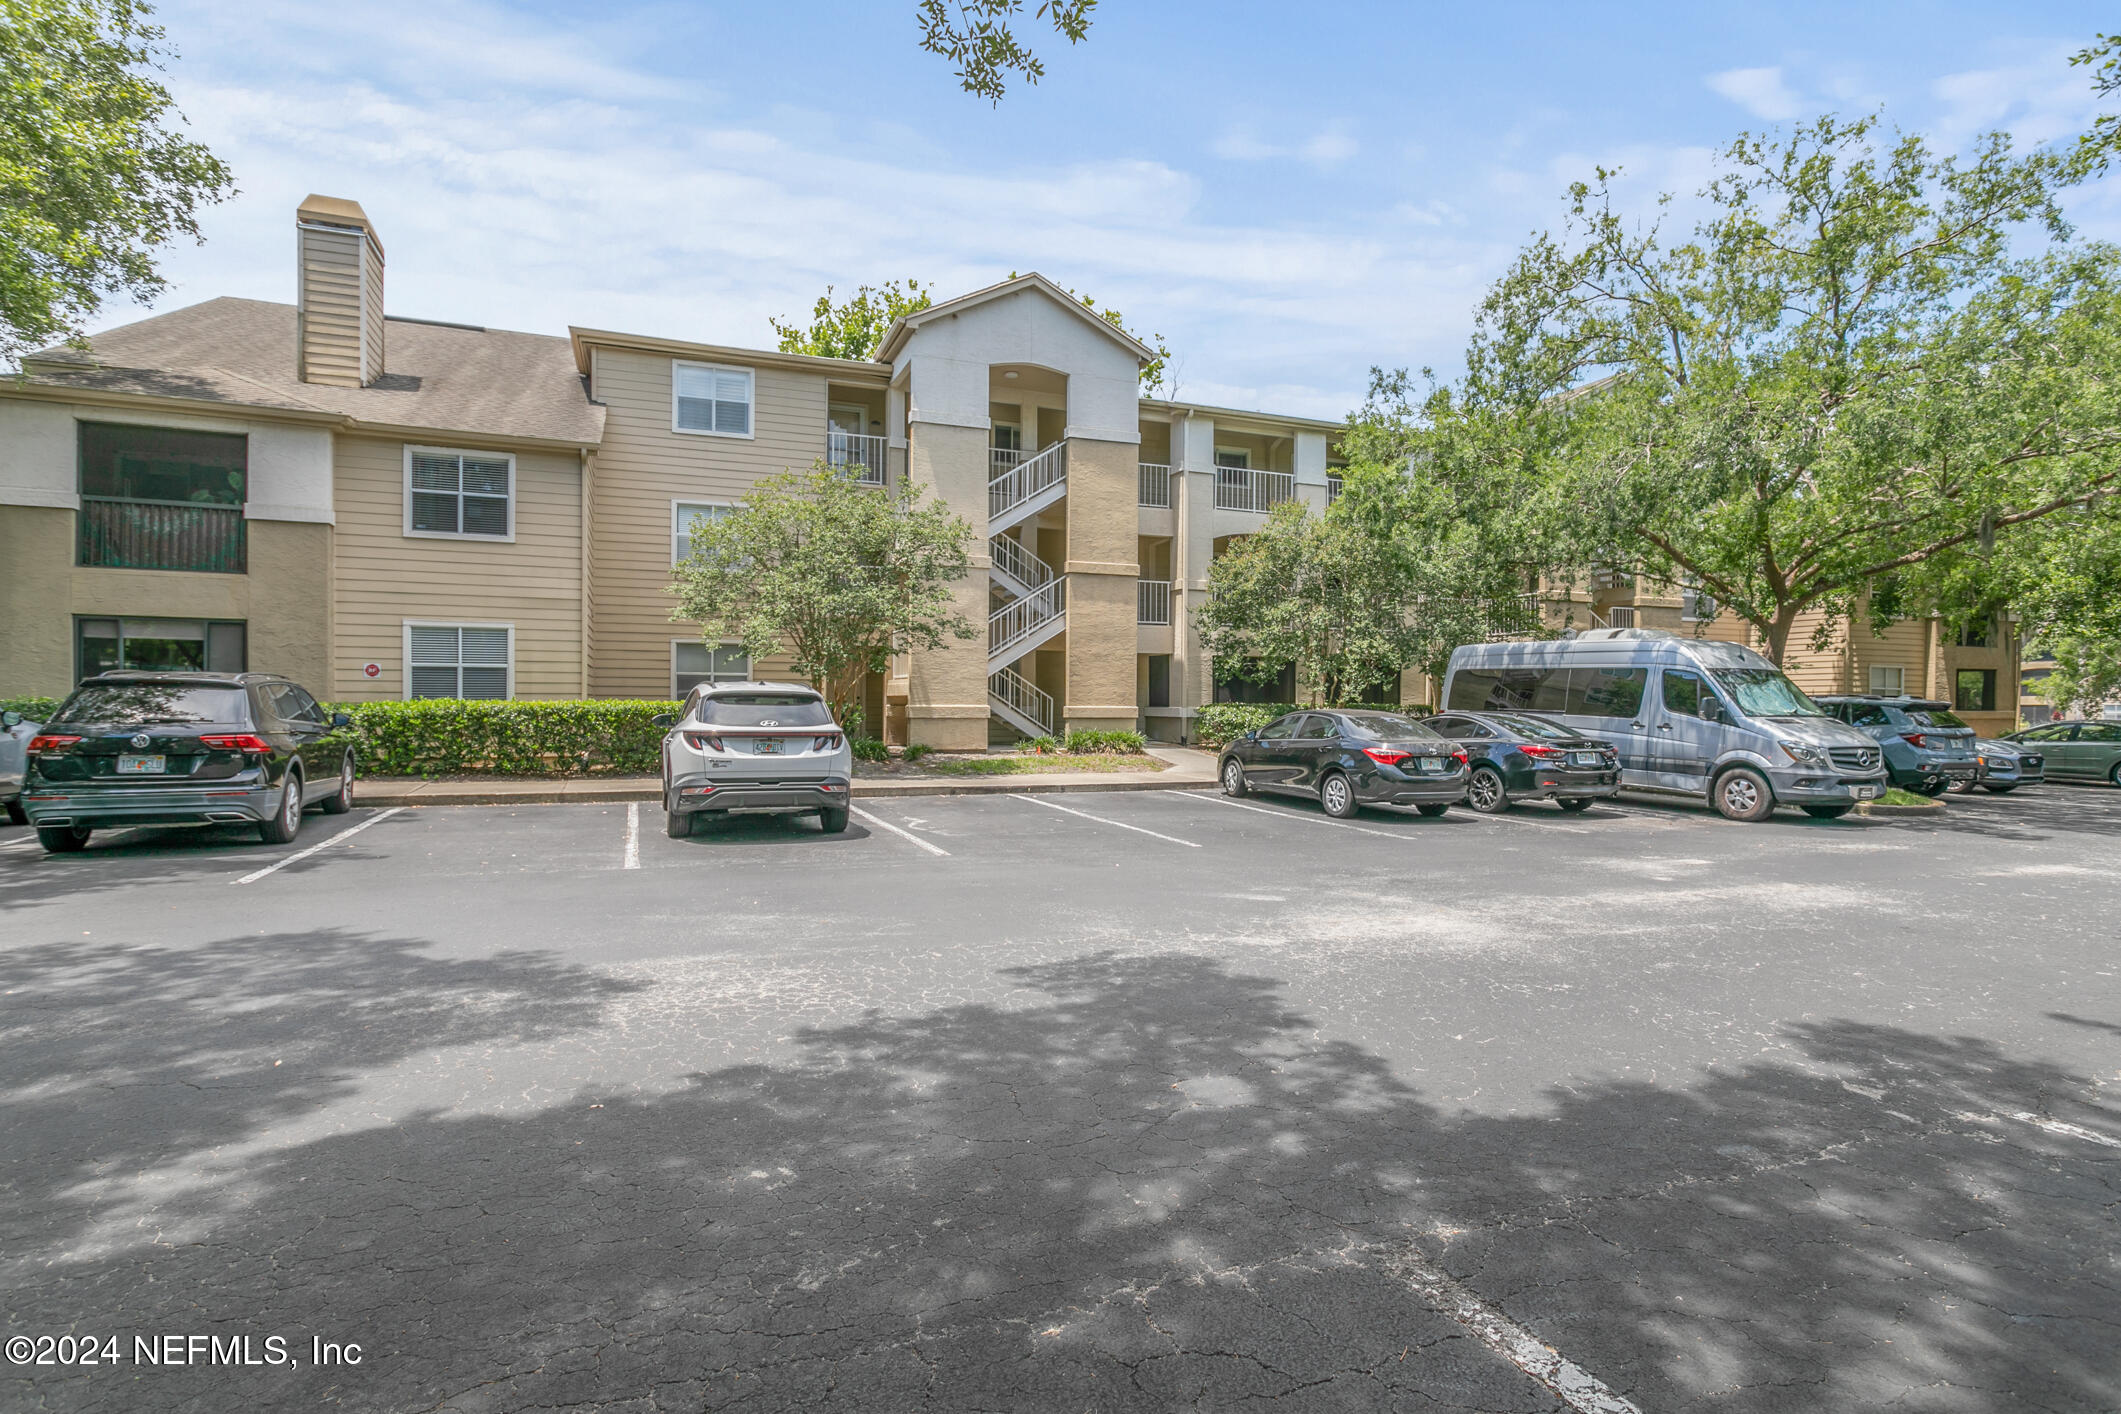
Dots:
pixel 286 821
pixel 1933 789
pixel 1962 787
pixel 1742 794
pixel 1337 794
pixel 1233 778
pixel 341 800
pixel 1579 803
pixel 2114 775
pixel 1485 792
pixel 1827 812
pixel 2001 790
pixel 833 822
pixel 63 839
pixel 16 815
pixel 677 824
pixel 1434 809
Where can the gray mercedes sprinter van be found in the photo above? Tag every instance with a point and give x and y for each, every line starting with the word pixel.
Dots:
pixel 1691 717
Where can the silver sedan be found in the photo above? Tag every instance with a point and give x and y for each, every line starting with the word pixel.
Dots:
pixel 755 748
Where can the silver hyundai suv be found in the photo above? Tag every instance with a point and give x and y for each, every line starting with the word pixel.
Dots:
pixel 755 748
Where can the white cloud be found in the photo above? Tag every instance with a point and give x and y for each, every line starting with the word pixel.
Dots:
pixel 1760 92
pixel 1327 148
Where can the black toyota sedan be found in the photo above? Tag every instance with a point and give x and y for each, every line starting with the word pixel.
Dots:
pixel 1516 756
pixel 1348 759
pixel 134 748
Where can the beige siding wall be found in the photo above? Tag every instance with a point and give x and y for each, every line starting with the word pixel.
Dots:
pixel 285 599
pixel 642 468
pixel 386 577
pixel 371 313
pixel 330 322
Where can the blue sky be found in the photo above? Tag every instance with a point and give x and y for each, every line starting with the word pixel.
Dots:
pixel 1288 194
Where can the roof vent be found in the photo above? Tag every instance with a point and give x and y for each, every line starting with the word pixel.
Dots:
pixel 338 294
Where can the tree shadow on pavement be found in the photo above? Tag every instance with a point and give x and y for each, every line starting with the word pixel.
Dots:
pixel 1150 1185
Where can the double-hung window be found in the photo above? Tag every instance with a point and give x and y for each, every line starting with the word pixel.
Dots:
pixel 460 495
pixel 710 399
pixel 694 663
pixel 460 660
pixel 1888 682
pixel 682 515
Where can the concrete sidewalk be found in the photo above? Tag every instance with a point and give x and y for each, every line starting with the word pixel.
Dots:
pixel 1188 770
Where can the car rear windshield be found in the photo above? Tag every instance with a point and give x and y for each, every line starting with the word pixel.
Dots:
pixel 143 704
pixel 1764 692
pixel 1388 726
pixel 1934 717
pixel 764 709
pixel 1536 729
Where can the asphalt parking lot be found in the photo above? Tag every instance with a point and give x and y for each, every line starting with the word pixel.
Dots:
pixel 1143 1100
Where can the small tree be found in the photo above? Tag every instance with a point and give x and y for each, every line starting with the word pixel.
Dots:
pixel 836 574
pixel 853 328
pixel 2086 675
pixel 93 176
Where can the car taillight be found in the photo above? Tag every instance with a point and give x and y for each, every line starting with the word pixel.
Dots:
pixel 1914 739
pixel 1460 757
pixel 243 742
pixel 1530 748
pixel 701 741
pixel 1387 756
pixel 825 743
pixel 51 743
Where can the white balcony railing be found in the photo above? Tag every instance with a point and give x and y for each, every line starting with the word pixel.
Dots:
pixel 1016 691
pixel 1155 484
pixel 1240 488
pixel 1013 559
pixel 1332 488
pixel 1019 620
pixel 1152 601
pixel 1002 460
pixel 853 449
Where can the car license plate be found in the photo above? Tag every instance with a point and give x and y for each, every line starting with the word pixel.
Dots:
pixel 142 765
pixel 1431 764
pixel 1583 758
pixel 766 746
pixel 1864 792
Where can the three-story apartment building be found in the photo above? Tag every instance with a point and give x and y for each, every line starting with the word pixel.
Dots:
pixel 386 507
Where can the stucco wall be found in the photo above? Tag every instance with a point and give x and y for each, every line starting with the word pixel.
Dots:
pixel 1103 567
pixel 946 704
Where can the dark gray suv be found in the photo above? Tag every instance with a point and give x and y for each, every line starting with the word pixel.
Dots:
pixel 132 748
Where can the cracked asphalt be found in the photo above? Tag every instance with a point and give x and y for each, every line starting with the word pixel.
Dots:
pixel 1173 1103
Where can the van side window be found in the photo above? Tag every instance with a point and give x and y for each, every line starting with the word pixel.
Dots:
pixel 1606 692
pixel 1682 693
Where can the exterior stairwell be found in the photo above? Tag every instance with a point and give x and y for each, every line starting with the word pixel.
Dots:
pixel 1036 607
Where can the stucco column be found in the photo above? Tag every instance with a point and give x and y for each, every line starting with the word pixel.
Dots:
pixel 1192 549
pixel 946 690
pixel 1103 566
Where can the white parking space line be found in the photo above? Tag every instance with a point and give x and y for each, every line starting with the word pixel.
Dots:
pixel 902 834
pixel 633 836
pixel 23 843
pixel 1575 1386
pixel 2067 1131
pixel 257 874
pixel 1170 839
pixel 1288 814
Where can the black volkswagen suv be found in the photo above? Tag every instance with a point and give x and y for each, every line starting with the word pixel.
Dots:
pixel 133 748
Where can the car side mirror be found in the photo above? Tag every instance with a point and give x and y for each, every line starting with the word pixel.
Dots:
pixel 341 719
pixel 10 719
pixel 663 719
pixel 1711 710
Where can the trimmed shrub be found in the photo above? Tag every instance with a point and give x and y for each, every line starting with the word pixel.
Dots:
pixel 1042 746
pixel 446 736
pixel 916 751
pixel 33 709
pixel 1083 741
pixel 868 748
pixel 1220 723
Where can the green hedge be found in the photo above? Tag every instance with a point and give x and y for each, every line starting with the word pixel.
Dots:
pixel 1085 740
pixel 33 709
pixel 445 736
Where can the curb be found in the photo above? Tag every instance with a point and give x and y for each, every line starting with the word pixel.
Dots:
pixel 869 790
pixel 1887 812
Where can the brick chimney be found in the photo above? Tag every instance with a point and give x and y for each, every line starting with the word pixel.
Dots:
pixel 339 294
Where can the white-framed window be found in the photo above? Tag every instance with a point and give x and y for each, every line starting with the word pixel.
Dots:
pixel 1888 682
pixel 694 663
pixel 1237 457
pixel 460 660
pixel 1696 606
pixel 1007 437
pixel 710 399
pixel 455 495
pixel 682 515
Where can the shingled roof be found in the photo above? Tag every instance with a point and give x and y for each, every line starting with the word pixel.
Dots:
pixel 443 377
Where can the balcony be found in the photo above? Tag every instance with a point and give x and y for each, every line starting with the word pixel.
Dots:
pixel 125 534
pixel 1155 485
pixel 1152 601
pixel 1332 488
pixel 855 450
pixel 1240 488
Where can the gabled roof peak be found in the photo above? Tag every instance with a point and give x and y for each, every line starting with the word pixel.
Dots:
pixel 903 327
